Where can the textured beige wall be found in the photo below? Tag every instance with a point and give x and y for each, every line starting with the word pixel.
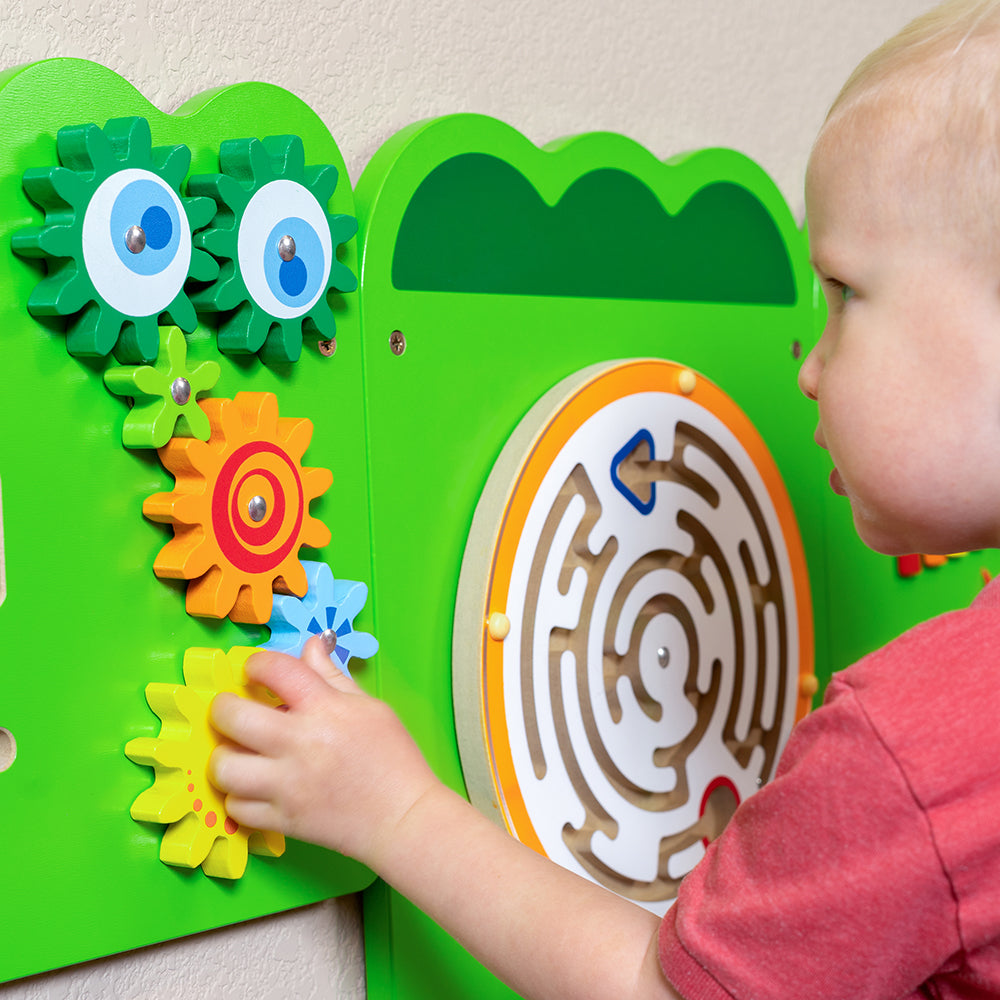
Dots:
pixel 756 75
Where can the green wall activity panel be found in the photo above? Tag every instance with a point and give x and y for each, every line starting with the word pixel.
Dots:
pixel 213 439
pixel 492 272
pixel 144 311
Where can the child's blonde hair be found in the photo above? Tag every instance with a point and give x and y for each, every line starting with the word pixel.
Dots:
pixel 931 44
pixel 931 94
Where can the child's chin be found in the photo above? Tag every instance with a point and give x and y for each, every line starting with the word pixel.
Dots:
pixel 879 536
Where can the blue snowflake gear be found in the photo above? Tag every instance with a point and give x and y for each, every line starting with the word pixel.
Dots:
pixel 327 604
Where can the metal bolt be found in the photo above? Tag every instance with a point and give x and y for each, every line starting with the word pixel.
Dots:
pixel 663 655
pixel 397 343
pixel 286 247
pixel 328 347
pixel 135 239
pixel 257 508
pixel 8 749
pixel 180 391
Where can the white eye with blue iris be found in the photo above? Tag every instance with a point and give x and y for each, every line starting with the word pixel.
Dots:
pixel 284 249
pixel 136 242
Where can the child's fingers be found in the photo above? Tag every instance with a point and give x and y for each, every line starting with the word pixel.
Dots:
pixel 244 775
pixel 248 723
pixel 254 813
pixel 290 679
pixel 317 654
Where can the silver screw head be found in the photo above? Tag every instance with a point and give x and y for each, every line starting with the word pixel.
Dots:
pixel 8 749
pixel 135 239
pixel 257 508
pixel 397 342
pixel 663 656
pixel 286 247
pixel 180 391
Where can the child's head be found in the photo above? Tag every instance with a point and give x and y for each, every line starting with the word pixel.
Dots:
pixel 903 202
pixel 930 99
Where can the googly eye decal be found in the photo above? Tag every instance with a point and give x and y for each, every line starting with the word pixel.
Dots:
pixel 285 261
pixel 276 245
pixel 118 258
pixel 145 222
pixel 135 246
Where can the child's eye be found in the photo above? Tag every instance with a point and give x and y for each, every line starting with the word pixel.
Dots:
pixel 840 290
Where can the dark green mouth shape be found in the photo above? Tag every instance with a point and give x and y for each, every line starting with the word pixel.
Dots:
pixel 476 224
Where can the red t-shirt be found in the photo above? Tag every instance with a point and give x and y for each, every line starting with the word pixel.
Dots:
pixel 870 866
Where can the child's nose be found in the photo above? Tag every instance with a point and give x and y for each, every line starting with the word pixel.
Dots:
pixel 809 373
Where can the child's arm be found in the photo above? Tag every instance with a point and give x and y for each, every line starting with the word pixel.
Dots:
pixel 337 768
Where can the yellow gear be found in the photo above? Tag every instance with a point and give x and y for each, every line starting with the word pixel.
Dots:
pixel 200 832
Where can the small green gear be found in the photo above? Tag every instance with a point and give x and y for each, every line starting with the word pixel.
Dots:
pixel 276 245
pixel 165 395
pixel 116 239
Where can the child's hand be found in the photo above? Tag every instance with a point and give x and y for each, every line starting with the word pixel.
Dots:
pixel 336 767
pixel 333 766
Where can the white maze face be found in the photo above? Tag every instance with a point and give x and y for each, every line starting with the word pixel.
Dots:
pixel 650 676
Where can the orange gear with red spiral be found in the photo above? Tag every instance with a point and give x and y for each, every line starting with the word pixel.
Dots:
pixel 240 509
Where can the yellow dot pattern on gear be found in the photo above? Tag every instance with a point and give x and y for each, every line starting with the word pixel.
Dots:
pixel 200 832
pixel 239 509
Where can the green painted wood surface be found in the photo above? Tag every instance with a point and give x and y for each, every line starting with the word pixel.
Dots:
pixel 85 624
pixel 475 362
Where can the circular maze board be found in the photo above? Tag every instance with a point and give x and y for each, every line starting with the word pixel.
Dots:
pixel 632 623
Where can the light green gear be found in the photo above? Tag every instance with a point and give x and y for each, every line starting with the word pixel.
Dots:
pixel 165 395
pixel 273 283
pixel 114 284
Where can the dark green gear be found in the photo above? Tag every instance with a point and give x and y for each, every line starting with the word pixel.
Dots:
pixel 89 156
pixel 253 324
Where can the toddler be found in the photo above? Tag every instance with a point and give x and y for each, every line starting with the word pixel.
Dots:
pixel 870 866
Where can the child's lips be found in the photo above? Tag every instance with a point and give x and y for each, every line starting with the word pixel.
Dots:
pixel 836 483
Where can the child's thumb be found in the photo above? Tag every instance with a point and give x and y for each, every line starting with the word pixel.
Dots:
pixel 317 653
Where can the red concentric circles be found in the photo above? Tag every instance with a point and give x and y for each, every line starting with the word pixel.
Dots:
pixel 241 540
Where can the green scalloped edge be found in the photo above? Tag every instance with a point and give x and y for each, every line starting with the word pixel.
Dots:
pixel 383 197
